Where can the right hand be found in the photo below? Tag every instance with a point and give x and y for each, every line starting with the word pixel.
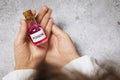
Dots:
pixel 28 56
pixel 61 49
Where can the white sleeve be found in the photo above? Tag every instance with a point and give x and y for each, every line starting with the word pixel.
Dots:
pixel 24 74
pixel 85 65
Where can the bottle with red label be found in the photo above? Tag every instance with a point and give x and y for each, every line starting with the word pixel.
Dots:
pixel 35 31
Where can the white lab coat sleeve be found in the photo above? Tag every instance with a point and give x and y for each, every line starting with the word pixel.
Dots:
pixel 85 65
pixel 24 74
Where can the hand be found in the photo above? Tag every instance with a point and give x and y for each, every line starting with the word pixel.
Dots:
pixel 61 50
pixel 28 56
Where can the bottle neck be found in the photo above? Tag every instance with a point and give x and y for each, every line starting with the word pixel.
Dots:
pixel 30 22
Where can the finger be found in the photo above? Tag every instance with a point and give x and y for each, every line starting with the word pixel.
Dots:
pixel 41 13
pixel 49 27
pixel 22 32
pixel 46 18
pixel 33 12
pixel 57 31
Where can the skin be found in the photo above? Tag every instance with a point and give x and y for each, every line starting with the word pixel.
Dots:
pixel 61 49
pixel 57 51
pixel 28 56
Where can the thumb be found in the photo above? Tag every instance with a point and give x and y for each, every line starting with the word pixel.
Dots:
pixel 57 31
pixel 22 32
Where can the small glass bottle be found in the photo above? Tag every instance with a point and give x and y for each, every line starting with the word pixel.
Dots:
pixel 35 31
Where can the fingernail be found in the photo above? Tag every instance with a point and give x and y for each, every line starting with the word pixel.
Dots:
pixel 45 8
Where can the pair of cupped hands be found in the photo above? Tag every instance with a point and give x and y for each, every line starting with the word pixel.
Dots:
pixel 57 51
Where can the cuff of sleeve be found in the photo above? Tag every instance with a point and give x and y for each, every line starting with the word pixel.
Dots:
pixel 85 65
pixel 27 74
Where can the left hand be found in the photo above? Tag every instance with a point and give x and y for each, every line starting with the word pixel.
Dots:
pixel 61 49
pixel 28 56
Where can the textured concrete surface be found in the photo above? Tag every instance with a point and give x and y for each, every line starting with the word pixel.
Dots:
pixel 93 25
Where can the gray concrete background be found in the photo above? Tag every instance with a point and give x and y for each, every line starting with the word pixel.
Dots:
pixel 93 25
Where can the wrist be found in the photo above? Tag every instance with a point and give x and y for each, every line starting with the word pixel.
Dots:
pixel 24 67
pixel 73 58
pixel 70 58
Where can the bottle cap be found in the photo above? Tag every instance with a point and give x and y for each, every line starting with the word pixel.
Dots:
pixel 28 14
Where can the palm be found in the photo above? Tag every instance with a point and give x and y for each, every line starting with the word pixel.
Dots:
pixel 32 53
pixel 38 50
pixel 60 51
